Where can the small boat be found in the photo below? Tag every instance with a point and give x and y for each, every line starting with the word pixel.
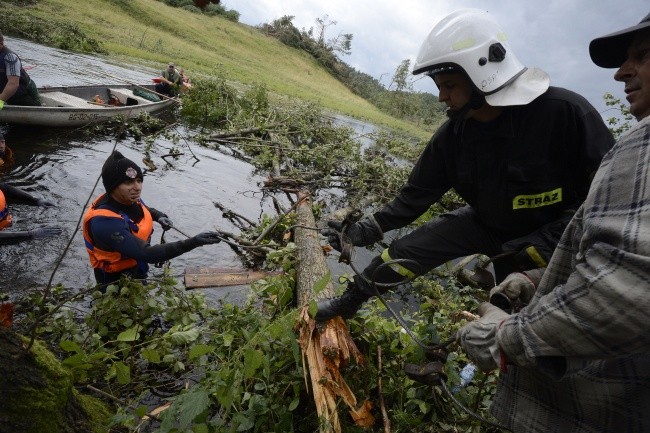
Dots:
pixel 83 105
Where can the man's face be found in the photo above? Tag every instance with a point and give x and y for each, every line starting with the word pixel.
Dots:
pixel 128 192
pixel 455 90
pixel 635 73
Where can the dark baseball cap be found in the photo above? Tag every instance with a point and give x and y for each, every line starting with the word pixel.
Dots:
pixel 610 51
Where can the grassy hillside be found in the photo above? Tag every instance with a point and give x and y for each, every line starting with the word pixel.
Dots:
pixel 152 33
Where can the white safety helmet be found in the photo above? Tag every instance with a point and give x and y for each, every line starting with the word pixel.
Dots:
pixel 469 40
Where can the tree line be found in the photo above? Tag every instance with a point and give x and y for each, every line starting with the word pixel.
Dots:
pixel 399 99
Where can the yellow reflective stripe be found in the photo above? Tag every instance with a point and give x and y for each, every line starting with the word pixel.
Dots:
pixel 537 258
pixel 463 44
pixel 396 266
pixel 537 200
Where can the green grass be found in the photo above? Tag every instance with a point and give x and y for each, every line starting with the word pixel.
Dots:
pixel 150 33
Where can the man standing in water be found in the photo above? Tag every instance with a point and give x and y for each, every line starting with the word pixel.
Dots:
pixel 118 225
pixel 16 87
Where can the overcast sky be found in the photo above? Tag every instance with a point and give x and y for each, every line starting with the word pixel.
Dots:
pixel 553 35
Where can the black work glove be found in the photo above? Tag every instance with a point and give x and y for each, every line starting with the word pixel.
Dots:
pixel 207 238
pixel 362 233
pixel 45 203
pixel 165 222
pixel 45 232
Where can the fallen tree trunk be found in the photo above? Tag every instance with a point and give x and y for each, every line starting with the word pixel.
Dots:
pixel 325 351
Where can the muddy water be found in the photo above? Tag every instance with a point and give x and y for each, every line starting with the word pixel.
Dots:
pixel 63 166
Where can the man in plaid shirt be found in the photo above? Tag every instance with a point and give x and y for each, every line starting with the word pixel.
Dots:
pixel 577 357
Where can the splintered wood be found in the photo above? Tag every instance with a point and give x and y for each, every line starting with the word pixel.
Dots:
pixel 325 351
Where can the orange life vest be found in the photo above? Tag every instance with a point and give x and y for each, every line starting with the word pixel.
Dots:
pixel 112 261
pixel 5 217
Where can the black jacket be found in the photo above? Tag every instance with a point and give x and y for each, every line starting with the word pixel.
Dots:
pixel 520 172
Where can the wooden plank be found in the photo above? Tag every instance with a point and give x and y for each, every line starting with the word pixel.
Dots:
pixel 216 277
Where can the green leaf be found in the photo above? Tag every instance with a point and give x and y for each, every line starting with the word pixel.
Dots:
pixel 322 283
pixel 151 355
pixel 130 334
pixel 191 405
pixel 184 337
pixel 141 411
pixel 227 340
pixel 200 350
pixel 122 372
pixel 200 428
pixel 70 346
pixel 313 308
pixel 253 359
pixel 294 404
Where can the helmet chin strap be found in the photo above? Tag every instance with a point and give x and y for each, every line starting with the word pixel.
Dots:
pixel 475 102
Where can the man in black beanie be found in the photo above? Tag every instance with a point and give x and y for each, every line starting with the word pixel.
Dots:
pixel 118 225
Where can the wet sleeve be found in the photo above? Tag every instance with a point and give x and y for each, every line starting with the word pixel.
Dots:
pixel 156 214
pixel 113 234
pixel 17 194
pixel 9 237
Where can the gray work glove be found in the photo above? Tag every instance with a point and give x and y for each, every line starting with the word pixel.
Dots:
pixel 516 286
pixel 45 232
pixel 362 233
pixel 207 238
pixel 165 223
pixel 45 203
pixel 478 338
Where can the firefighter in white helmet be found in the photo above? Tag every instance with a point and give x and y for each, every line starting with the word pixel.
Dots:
pixel 521 154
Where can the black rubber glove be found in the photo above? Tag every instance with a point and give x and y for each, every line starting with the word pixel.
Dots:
pixel 45 203
pixel 207 238
pixel 45 232
pixel 165 222
pixel 359 234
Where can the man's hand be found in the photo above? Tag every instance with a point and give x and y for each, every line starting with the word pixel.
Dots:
pixel 2 104
pixel 516 286
pixel 45 232
pixel 478 338
pixel 207 238
pixel 165 223
pixel 359 234
pixel 45 203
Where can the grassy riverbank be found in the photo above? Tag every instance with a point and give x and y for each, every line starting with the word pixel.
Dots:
pixel 150 33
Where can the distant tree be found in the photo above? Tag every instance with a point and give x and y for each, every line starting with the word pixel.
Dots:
pixel 342 43
pixel 202 4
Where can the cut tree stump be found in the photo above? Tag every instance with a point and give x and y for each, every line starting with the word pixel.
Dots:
pixel 324 351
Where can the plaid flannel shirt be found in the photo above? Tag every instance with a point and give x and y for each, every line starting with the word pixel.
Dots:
pixel 581 348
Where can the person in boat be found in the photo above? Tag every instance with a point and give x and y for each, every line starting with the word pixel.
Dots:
pixel 16 87
pixel 520 154
pixel 10 237
pixel 576 358
pixel 117 227
pixel 6 154
pixel 170 79
pixel 185 80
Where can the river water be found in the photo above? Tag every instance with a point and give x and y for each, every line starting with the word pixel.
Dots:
pixel 64 165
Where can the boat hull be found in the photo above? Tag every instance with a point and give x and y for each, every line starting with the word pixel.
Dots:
pixel 76 106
